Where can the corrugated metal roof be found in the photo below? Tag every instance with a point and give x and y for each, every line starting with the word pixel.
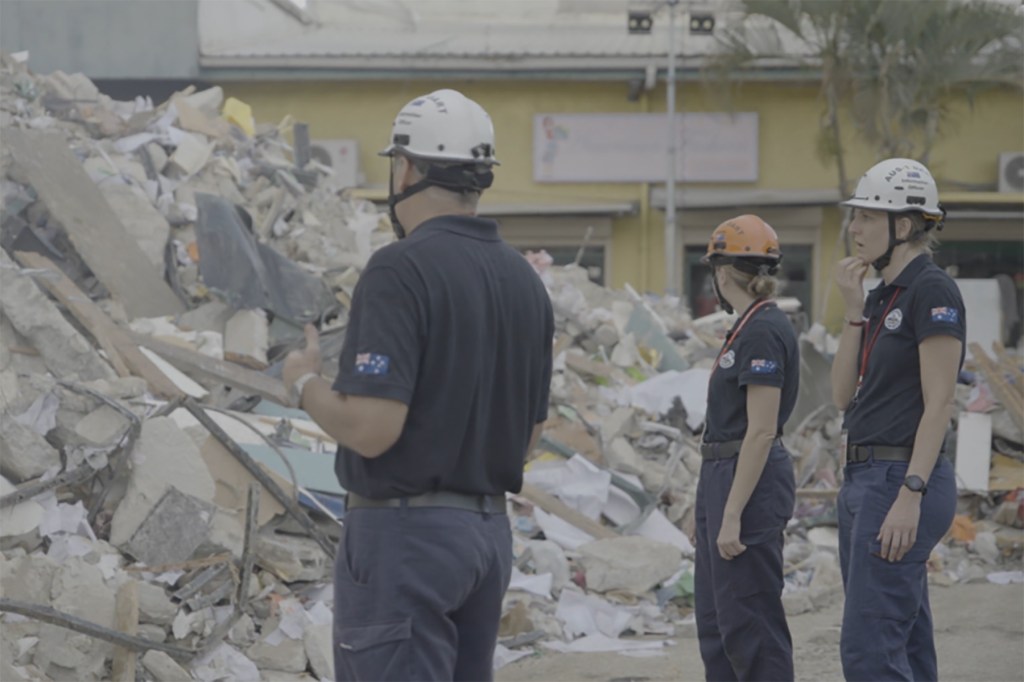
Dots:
pixel 483 29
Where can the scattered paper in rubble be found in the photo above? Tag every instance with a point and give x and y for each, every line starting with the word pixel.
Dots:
pixel 657 394
pixel 539 584
pixel 1006 577
pixel 503 656
pixel 601 643
pixel 587 614
pixel 559 531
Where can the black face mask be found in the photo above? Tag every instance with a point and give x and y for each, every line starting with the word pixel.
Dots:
pixel 458 178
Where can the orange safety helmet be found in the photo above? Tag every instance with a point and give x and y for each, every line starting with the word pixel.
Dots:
pixel 746 242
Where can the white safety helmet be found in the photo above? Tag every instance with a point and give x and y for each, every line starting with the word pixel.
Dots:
pixel 443 126
pixel 898 186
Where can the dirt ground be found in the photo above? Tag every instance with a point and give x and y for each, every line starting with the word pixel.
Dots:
pixel 979 632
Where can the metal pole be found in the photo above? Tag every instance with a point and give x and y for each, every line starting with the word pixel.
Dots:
pixel 671 273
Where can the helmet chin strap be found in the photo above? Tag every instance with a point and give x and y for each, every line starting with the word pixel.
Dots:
pixel 882 261
pixel 726 306
pixel 454 179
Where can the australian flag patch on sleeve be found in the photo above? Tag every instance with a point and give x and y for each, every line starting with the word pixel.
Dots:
pixel 372 364
pixel 945 314
pixel 764 366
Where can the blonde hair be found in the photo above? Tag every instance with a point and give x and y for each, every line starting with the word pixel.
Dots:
pixel 760 286
pixel 919 236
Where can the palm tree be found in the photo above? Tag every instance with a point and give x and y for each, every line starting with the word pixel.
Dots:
pixel 895 66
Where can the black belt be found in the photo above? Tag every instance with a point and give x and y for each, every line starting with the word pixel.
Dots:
pixel 855 454
pixel 726 449
pixel 488 504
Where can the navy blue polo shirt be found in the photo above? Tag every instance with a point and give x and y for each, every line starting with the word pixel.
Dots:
pixel 889 405
pixel 764 353
pixel 454 323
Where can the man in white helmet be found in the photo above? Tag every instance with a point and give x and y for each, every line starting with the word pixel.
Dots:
pixel 894 376
pixel 442 390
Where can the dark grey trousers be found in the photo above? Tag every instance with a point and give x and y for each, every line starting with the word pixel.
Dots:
pixel 418 592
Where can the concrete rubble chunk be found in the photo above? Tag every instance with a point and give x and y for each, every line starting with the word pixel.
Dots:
pixel 19 519
pixel 140 218
pixel 24 454
pixel 102 426
pixel 176 526
pixel 155 606
pixel 164 457
pixel 78 589
pixel 30 577
pixel 291 559
pixel 163 668
pixel 632 564
pixel 209 317
pixel 154 633
pixel 190 156
pixel 621 456
pixel 247 338
pixel 320 650
pixel 548 557
pixel 66 352
pixel 288 656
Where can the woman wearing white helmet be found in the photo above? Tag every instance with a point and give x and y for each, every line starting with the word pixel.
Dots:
pixel 894 375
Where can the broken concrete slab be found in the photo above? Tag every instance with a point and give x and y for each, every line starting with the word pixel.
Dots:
pixel 176 526
pixel 632 564
pixel 164 457
pixel 291 559
pixel 319 645
pixel 232 480
pixel 163 668
pixel 102 426
pixel 190 156
pixel 247 338
pixel 622 457
pixel 155 606
pixel 66 353
pixel 19 519
pixel 209 317
pixel 24 454
pixel 288 656
pixel 79 590
pixel 28 578
pixel 140 219
pixel 75 202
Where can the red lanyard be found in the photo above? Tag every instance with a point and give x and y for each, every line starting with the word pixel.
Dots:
pixel 870 341
pixel 732 337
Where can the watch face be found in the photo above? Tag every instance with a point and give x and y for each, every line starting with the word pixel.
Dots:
pixel 915 483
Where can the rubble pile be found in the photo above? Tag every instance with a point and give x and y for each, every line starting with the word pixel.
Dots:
pixel 164 513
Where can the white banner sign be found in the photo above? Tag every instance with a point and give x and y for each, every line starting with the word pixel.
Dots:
pixel 718 147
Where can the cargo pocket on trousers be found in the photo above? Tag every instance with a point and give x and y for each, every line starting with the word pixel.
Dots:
pixel 377 652
pixel 898 586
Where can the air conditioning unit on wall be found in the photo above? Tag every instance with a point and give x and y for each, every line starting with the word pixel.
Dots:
pixel 342 156
pixel 1011 172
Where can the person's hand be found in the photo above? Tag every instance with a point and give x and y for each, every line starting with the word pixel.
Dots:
pixel 850 274
pixel 690 526
pixel 729 545
pixel 899 530
pixel 300 362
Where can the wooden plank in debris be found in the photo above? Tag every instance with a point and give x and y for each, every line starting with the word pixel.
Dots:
pixel 217 370
pixel 553 505
pixel 74 200
pixel 78 304
pixel 1004 392
pixel 111 338
pixel 583 365
pixel 126 615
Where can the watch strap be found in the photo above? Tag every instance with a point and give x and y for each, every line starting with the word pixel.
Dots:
pixel 298 386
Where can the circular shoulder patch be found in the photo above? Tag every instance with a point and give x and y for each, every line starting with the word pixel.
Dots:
pixel 728 360
pixel 894 319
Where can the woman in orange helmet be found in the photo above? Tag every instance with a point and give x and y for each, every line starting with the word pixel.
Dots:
pixel 746 491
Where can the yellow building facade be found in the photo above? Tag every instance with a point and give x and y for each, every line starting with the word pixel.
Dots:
pixel 796 188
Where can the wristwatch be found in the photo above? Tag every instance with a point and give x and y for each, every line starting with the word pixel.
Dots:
pixel 916 484
pixel 296 393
